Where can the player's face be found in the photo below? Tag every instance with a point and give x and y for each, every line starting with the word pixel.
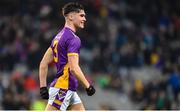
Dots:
pixel 79 19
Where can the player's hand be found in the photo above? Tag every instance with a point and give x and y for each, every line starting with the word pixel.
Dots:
pixel 44 93
pixel 90 91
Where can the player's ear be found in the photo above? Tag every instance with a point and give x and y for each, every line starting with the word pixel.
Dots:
pixel 71 16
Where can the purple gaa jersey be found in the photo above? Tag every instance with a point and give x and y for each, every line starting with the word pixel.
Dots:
pixel 65 44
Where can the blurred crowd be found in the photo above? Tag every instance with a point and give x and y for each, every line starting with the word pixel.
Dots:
pixel 119 34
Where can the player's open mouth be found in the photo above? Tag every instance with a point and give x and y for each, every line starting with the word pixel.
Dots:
pixel 82 23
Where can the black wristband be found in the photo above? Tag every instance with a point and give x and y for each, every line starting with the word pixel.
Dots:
pixel 90 90
pixel 44 93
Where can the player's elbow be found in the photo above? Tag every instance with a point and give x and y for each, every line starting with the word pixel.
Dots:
pixel 73 70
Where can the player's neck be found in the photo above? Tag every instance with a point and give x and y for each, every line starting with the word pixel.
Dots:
pixel 72 27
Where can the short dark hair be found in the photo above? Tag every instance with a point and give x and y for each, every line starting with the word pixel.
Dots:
pixel 71 7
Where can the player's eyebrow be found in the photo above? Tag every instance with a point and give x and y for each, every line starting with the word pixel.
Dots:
pixel 82 15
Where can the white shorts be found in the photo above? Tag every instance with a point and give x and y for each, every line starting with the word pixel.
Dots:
pixel 62 98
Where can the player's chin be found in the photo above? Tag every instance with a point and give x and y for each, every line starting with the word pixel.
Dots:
pixel 81 26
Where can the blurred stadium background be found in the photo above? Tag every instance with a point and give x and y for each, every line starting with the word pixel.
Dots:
pixel 130 51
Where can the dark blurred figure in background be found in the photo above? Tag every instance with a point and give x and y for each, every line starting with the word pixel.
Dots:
pixel 174 83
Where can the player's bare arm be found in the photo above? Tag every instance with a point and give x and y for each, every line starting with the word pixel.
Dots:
pixel 73 60
pixel 43 68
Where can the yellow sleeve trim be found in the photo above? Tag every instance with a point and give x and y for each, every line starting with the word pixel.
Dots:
pixel 73 54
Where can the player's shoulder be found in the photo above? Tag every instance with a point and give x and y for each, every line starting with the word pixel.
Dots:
pixel 67 36
pixel 70 34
